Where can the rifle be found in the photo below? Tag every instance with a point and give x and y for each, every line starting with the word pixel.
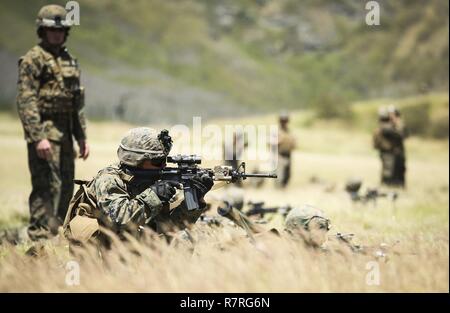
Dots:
pixel 257 208
pixel 372 194
pixel 347 239
pixel 187 168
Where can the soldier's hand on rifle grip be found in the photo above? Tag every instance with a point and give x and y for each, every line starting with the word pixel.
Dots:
pixel 203 184
pixel 44 149
pixel 165 190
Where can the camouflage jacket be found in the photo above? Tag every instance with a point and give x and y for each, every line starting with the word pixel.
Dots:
pixel 286 142
pixel 50 99
pixel 129 203
pixel 388 139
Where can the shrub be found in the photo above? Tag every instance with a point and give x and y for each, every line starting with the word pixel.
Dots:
pixel 417 117
pixel 331 105
pixel 439 126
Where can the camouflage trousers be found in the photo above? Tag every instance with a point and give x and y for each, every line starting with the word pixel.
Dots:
pixel 399 170
pixel 283 171
pixel 52 188
pixel 393 169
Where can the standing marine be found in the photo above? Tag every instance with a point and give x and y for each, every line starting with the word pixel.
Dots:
pixel 388 139
pixel 50 103
pixel 286 144
pixel 400 155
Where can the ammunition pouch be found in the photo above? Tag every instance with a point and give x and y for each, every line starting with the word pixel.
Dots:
pixel 55 103
pixel 51 132
pixel 81 222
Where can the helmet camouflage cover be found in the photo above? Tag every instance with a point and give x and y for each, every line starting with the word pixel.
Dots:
pixel 52 16
pixel 301 217
pixel 392 109
pixel 283 116
pixel 353 185
pixel 383 114
pixel 143 143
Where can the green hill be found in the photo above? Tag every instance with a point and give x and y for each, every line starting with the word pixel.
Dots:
pixel 173 59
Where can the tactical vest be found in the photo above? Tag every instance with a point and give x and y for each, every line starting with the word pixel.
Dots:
pixel 286 143
pixel 60 93
pixel 60 90
pixel 380 142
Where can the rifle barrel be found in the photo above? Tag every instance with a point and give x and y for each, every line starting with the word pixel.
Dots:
pixel 260 175
pixel 263 211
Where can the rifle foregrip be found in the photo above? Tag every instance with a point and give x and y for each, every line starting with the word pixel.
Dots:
pixel 190 197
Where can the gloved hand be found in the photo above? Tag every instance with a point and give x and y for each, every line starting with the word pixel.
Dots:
pixel 203 184
pixel 165 190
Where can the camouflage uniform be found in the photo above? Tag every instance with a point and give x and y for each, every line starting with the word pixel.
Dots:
pixel 400 155
pixel 122 203
pixel 388 140
pixel 50 101
pixel 286 144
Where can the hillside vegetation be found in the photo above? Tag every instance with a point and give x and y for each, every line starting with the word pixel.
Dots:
pixel 170 60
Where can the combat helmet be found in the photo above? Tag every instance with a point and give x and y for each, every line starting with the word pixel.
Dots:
pixel 383 115
pixel 353 185
pixel 283 116
pixel 309 224
pixel 392 109
pixel 143 143
pixel 302 217
pixel 52 16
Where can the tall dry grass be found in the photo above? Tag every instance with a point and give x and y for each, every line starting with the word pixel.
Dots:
pixel 223 260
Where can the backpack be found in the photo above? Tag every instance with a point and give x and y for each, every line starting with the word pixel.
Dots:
pixel 81 222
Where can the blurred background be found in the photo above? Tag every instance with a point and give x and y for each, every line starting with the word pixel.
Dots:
pixel 166 61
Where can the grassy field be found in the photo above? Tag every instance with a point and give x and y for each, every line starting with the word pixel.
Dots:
pixel 417 226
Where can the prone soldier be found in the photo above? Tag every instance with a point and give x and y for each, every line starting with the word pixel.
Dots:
pixel 306 225
pixel 118 200
pixel 140 192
